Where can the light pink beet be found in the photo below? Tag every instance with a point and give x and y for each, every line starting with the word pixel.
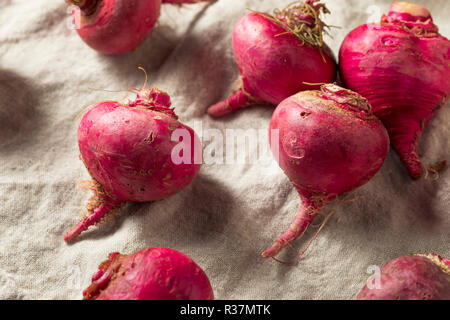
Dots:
pixel 329 143
pixel 415 277
pixel 402 67
pixel 150 274
pixel 127 149
pixel 117 26
pixel 274 61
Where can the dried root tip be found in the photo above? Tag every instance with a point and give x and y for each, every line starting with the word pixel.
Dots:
pixel 414 167
pixel 414 10
pixel 308 210
pixel 310 206
pixel 433 171
pixel 406 144
pixel 91 185
pixel 155 100
pixel 301 222
pixel 302 18
pixel 239 99
pixel 98 206
pixel 350 99
pixel 411 17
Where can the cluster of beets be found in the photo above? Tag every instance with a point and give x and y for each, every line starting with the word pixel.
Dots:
pixel 331 139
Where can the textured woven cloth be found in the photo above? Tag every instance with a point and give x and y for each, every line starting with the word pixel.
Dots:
pixel 231 212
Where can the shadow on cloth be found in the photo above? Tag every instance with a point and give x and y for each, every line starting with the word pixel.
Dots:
pixel 197 214
pixel 152 53
pixel 18 115
pixel 405 207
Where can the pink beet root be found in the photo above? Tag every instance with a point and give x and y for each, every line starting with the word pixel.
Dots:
pixel 416 277
pixel 128 151
pixel 117 26
pixel 330 143
pixel 402 67
pixel 279 55
pixel 150 274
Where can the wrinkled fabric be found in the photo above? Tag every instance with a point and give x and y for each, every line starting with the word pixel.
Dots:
pixel 231 212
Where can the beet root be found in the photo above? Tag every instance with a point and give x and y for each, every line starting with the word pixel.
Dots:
pixel 117 26
pixel 415 277
pixel 279 55
pixel 150 274
pixel 128 151
pixel 401 65
pixel 330 143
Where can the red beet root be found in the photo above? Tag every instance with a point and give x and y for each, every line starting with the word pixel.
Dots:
pixel 117 26
pixel 278 56
pixel 329 143
pixel 402 67
pixel 128 151
pixel 150 274
pixel 417 277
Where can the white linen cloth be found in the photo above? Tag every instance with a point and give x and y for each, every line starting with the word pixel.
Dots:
pixel 230 213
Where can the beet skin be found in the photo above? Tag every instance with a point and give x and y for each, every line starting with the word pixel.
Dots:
pixel 150 274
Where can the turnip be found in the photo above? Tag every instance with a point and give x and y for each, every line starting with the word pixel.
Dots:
pixel 150 274
pixel 127 149
pixel 415 277
pixel 279 55
pixel 117 26
pixel 329 143
pixel 402 66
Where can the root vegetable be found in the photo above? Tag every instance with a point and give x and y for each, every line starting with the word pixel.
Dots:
pixel 329 143
pixel 279 55
pixel 150 274
pixel 117 26
pixel 402 67
pixel 127 149
pixel 416 277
